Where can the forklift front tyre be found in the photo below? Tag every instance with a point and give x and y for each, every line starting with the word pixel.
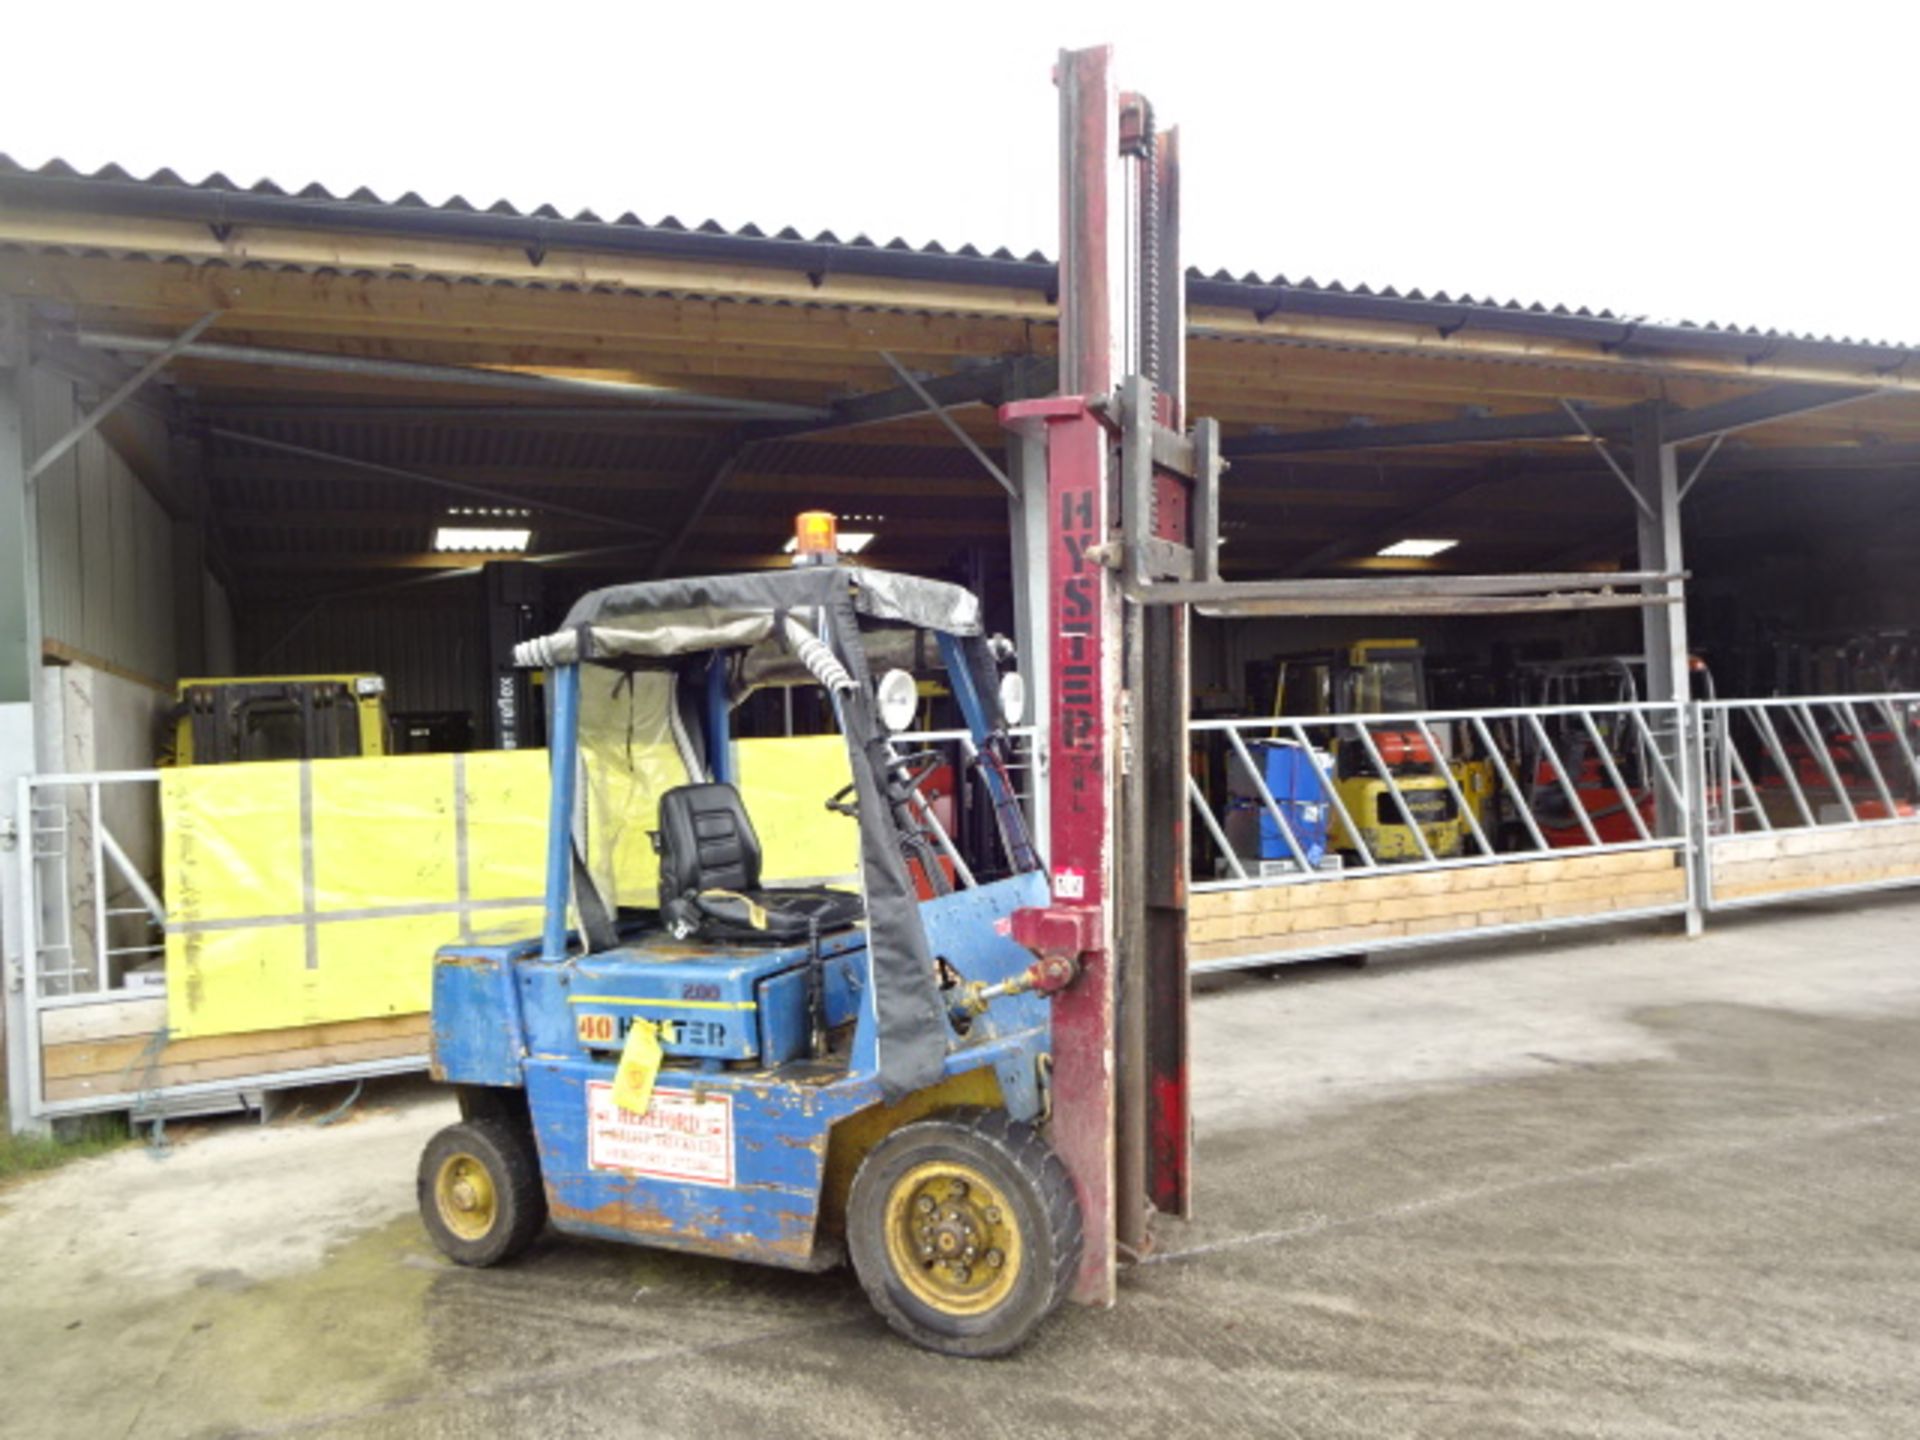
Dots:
pixel 480 1193
pixel 964 1231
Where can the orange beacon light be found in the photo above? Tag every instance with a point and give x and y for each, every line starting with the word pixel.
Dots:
pixel 816 538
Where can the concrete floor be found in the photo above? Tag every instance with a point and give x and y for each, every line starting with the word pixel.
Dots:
pixel 1633 1187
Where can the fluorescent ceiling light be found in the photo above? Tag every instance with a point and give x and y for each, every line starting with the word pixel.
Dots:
pixel 492 539
pixel 1416 549
pixel 852 542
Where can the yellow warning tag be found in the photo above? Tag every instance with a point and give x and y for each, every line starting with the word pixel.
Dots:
pixel 639 1064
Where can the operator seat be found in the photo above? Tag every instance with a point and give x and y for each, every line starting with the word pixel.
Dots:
pixel 710 875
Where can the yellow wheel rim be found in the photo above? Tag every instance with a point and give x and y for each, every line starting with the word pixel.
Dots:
pixel 463 1193
pixel 952 1238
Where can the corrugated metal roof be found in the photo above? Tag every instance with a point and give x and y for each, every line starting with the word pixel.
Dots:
pixel 828 251
pixel 167 178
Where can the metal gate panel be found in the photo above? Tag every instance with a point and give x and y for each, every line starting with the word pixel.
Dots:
pixel 1821 796
pixel 1511 820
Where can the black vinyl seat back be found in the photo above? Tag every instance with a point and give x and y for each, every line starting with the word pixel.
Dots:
pixel 710 875
pixel 706 841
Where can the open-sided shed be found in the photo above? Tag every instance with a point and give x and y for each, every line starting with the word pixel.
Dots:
pixel 233 419
pixel 662 397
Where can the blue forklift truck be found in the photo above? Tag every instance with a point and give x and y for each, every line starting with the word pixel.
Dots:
pixel 791 1075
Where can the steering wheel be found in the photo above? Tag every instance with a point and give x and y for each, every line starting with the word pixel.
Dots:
pixel 918 764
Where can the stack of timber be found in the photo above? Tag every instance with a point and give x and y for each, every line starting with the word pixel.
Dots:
pixel 1354 912
pixel 120 1048
pixel 1753 867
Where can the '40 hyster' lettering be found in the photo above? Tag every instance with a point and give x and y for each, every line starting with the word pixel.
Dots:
pixel 605 1031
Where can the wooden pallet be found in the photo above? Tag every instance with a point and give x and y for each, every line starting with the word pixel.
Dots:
pixel 1758 866
pixel 1360 911
pixel 114 1049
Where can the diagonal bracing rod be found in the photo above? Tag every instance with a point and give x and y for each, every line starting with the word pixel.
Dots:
pixel 939 412
pixel 1600 447
pixel 1699 469
pixel 119 397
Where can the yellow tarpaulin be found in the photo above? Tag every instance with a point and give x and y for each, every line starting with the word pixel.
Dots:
pixel 299 894
pixel 302 894
pixel 785 785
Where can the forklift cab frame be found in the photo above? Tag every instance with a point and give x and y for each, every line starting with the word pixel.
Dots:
pixel 1590 699
pixel 1372 677
pixel 1350 679
pixel 276 717
pixel 877 1087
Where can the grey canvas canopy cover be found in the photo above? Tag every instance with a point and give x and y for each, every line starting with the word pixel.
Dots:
pixel 652 622
pixel 658 619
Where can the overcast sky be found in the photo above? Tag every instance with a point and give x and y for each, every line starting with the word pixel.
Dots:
pixel 1738 162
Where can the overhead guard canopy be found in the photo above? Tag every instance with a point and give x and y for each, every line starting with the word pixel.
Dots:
pixel 660 619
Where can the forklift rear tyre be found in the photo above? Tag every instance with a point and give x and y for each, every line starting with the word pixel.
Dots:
pixel 480 1192
pixel 964 1231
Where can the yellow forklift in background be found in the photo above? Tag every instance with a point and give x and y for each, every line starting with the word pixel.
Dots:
pixel 1375 677
pixel 276 717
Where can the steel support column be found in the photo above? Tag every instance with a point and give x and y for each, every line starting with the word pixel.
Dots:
pixel 19 549
pixel 20 683
pixel 186 465
pixel 1656 487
